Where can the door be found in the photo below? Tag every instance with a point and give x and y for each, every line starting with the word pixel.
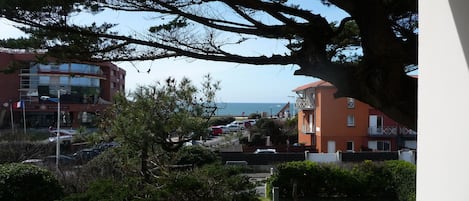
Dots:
pixel 376 124
pixel 330 146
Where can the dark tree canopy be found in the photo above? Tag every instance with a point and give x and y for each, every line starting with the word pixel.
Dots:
pixel 384 31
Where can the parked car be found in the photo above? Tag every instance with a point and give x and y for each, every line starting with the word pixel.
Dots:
pixel 240 124
pixel 216 131
pixel 224 129
pixel 265 151
pixel 105 145
pixel 85 155
pixel 251 121
pixel 63 160
pixel 62 138
pixel 34 161
pixel 233 127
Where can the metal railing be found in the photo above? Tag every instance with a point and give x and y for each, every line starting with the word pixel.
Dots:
pixel 390 130
pixel 304 104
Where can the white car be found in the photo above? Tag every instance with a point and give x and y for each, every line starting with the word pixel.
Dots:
pixel 233 127
pixel 265 151
pixel 63 131
pixel 65 135
pixel 240 124
pixel 62 138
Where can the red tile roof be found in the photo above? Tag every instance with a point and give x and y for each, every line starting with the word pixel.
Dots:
pixel 320 83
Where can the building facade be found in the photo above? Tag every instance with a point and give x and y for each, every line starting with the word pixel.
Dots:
pixel 32 84
pixel 331 124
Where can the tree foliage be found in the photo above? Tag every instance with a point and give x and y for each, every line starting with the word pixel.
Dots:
pixel 279 131
pixel 161 117
pixel 385 31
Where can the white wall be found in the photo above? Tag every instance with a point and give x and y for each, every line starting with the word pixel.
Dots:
pixel 443 121
pixel 323 157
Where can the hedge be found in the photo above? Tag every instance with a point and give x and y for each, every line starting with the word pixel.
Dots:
pixel 393 180
pixel 22 182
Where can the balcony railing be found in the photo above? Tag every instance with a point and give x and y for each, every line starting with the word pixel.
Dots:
pixel 407 131
pixel 304 104
pixel 307 129
pixel 390 130
pixel 382 131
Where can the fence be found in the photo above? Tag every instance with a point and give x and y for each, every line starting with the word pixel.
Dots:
pixel 409 156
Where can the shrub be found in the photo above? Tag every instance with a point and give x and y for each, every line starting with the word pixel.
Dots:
pixel 390 180
pixel 402 179
pixel 20 182
pixel 210 182
pixel 196 156
pixel 221 120
pixel 110 190
pixel 11 152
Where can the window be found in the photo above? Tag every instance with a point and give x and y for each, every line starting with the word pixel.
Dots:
pixel 350 103
pixel 379 145
pixel 350 120
pixel 383 145
pixel 350 146
pixel 308 123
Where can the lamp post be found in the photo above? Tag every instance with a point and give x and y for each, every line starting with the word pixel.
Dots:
pixel 57 148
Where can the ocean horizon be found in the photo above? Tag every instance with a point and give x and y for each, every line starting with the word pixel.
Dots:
pixel 245 109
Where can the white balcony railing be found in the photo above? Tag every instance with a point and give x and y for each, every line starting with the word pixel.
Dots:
pixel 307 129
pixel 390 130
pixel 382 131
pixel 304 104
pixel 407 131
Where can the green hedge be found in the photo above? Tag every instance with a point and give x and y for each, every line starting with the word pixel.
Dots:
pixel 393 180
pixel 20 182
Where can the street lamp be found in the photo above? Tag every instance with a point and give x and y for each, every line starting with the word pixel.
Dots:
pixel 57 148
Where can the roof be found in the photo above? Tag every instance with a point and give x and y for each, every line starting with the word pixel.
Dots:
pixel 320 83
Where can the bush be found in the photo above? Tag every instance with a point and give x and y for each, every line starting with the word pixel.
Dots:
pixel 221 120
pixel 17 151
pixel 211 182
pixel 110 190
pixel 301 179
pixel 403 179
pixel 20 182
pixel 195 156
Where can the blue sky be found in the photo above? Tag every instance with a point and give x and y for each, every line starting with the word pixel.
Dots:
pixel 239 82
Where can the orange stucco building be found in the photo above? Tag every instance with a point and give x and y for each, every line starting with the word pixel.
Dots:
pixel 331 124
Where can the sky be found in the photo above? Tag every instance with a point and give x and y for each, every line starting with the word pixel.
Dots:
pixel 238 82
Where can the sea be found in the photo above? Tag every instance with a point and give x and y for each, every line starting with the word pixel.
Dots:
pixel 245 109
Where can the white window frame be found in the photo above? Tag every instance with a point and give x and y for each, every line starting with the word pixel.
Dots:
pixel 350 103
pixel 350 120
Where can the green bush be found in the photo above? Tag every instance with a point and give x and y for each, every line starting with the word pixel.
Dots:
pixel 306 179
pixel 20 182
pixel 195 156
pixel 211 182
pixel 221 120
pixel 110 190
pixel 403 179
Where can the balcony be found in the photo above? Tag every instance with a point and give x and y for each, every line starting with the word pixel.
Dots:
pixel 390 131
pixel 308 129
pixel 382 131
pixel 304 104
pixel 407 131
